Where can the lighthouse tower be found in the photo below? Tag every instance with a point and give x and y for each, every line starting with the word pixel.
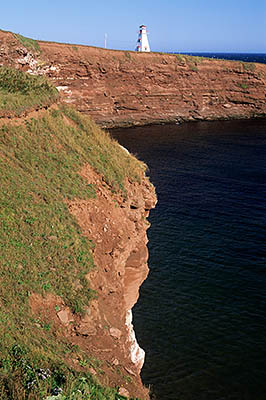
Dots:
pixel 143 43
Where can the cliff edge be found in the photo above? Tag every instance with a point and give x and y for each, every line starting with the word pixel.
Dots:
pixel 124 88
pixel 73 212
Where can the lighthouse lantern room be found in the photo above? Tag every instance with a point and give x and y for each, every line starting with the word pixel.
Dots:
pixel 143 43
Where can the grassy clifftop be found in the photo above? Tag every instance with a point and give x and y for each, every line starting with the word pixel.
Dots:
pixel 20 92
pixel 42 249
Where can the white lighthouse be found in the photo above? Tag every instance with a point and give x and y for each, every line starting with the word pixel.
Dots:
pixel 143 43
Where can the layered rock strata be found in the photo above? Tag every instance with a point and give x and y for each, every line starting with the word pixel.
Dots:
pixel 121 88
pixel 118 228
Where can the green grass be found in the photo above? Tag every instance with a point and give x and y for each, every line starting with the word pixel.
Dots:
pixel 180 59
pixel 34 383
pixel 20 92
pixel 30 44
pixel 242 85
pixel 249 66
pixel 194 59
pixel 106 155
pixel 191 61
pixel 42 248
pixel 193 67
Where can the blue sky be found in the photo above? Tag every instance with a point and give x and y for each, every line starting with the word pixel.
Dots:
pixel 188 25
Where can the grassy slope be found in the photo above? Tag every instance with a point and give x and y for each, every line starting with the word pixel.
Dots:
pixel 20 92
pixel 42 249
pixel 30 44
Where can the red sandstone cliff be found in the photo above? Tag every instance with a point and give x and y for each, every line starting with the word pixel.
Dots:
pixel 116 224
pixel 126 88
pixel 118 229
pixel 121 88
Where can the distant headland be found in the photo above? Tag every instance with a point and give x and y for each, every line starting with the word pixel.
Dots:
pixel 126 88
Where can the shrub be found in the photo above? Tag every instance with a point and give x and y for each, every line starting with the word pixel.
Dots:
pixel 30 44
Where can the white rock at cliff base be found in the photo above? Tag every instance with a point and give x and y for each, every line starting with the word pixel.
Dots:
pixel 137 354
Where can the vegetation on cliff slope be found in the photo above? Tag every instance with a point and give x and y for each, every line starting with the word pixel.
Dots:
pixel 42 249
pixel 20 92
pixel 29 43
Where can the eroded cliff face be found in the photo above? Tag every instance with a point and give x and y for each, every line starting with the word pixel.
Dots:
pixel 117 226
pixel 121 88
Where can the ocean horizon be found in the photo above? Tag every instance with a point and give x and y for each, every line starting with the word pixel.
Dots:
pixel 244 57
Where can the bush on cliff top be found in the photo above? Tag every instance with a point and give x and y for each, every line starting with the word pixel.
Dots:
pixel 20 92
pixel 42 248
pixel 30 44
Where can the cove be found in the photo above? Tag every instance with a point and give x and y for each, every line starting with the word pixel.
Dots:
pixel 201 316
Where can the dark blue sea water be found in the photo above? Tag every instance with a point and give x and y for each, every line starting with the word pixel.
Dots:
pixel 201 316
pixel 245 57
